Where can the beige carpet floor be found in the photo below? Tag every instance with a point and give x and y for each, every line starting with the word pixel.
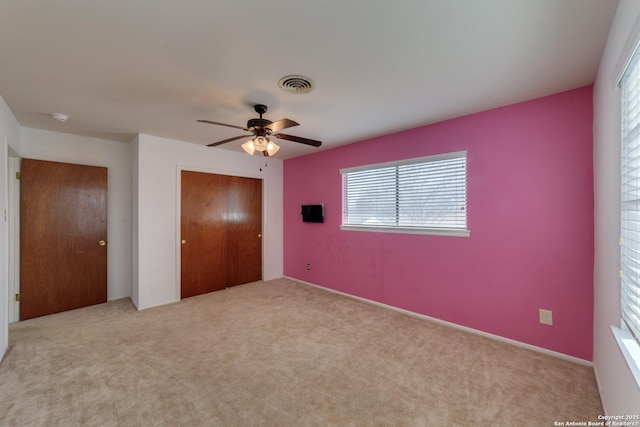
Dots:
pixel 277 353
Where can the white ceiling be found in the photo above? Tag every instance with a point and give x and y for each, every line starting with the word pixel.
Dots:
pixel 121 67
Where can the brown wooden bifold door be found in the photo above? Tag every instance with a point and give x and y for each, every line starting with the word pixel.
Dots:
pixel 221 226
pixel 244 230
pixel 63 237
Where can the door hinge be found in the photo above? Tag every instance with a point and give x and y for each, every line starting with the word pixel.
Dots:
pixel 18 175
pixel 17 297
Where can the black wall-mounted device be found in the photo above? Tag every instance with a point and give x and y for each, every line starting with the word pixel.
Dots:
pixel 312 213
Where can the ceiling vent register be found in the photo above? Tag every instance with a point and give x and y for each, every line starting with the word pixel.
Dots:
pixel 296 84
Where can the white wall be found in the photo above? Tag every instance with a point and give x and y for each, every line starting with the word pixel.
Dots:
pixel 157 212
pixel 9 142
pixel 618 390
pixel 116 156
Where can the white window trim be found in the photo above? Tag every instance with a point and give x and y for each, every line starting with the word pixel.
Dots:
pixel 454 232
pixel 630 350
pixel 406 230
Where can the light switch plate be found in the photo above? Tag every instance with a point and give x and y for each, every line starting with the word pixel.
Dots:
pixel 546 317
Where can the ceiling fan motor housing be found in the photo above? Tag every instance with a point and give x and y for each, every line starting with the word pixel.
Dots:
pixel 255 124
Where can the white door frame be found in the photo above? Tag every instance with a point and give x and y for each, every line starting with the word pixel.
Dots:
pixel 14 237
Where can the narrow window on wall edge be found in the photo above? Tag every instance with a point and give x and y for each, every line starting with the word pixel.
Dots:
pixel 425 195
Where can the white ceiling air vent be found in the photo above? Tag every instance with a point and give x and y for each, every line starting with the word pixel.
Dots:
pixel 296 84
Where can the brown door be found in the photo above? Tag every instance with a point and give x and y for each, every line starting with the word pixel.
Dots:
pixel 244 208
pixel 63 234
pixel 221 222
pixel 203 233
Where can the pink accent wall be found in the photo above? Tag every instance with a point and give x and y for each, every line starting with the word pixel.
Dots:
pixel 530 213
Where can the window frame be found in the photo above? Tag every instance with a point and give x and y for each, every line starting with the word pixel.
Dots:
pixel 627 340
pixel 440 231
pixel 629 198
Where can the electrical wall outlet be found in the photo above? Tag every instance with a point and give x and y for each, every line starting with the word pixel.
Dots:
pixel 308 266
pixel 546 317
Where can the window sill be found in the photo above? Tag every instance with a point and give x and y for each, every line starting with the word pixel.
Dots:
pixel 407 230
pixel 630 350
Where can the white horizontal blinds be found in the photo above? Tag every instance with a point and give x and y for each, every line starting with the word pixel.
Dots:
pixel 370 197
pixel 429 192
pixel 433 194
pixel 630 212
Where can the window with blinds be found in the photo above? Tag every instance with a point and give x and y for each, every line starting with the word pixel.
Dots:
pixel 425 195
pixel 630 209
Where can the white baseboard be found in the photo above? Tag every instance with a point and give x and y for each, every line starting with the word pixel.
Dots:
pixel 595 373
pixel 454 325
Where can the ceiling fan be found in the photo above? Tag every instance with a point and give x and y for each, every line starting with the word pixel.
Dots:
pixel 261 130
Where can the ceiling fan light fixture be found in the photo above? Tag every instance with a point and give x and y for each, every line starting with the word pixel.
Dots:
pixel 272 148
pixel 260 143
pixel 249 147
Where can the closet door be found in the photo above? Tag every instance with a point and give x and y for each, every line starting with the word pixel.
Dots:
pixel 203 233
pixel 244 207
pixel 221 221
